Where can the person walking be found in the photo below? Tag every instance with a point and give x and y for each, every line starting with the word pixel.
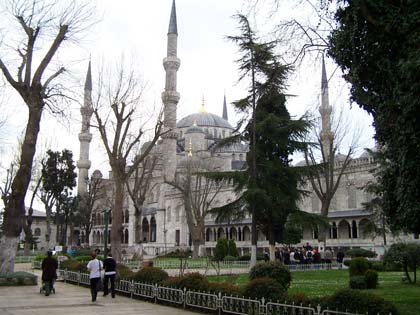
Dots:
pixel 94 267
pixel 110 271
pixel 49 268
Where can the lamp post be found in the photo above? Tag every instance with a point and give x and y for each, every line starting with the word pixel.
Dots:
pixel 106 219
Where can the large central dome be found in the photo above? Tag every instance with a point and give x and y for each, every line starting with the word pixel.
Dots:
pixel 203 120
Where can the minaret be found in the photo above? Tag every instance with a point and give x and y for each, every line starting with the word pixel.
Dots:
pixel 83 164
pixel 225 114
pixel 170 98
pixel 325 109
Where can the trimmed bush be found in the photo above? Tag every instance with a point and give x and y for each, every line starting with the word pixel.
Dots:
pixel 230 258
pixel 358 266
pixel 371 277
pixel 360 252
pixel 232 250
pixel 73 265
pixel 358 282
pixel 246 257
pixel 86 258
pixel 192 281
pixel 359 302
pixel 377 265
pixel 347 263
pixel 225 288
pixel 221 249
pixel 18 278
pixel 150 275
pixel 124 272
pixel 266 288
pixel 273 270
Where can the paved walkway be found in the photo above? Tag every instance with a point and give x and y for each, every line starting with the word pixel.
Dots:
pixel 71 300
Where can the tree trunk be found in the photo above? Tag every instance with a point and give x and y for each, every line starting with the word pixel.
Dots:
pixel 14 214
pixel 254 236
pixel 197 235
pixel 48 231
pixel 117 212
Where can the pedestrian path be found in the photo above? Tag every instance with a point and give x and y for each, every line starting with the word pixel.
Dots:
pixel 74 300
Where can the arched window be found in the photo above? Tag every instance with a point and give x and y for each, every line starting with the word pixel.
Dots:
pixel 126 216
pixel 208 235
pixel 353 229
pixel 221 233
pixel 125 236
pixel 37 232
pixel 246 233
pixel 344 230
pixel 153 229
pixel 145 230
pixel 233 234
pixel 363 228
pixel 334 234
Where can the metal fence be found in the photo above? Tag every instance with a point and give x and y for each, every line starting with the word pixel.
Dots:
pixel 203 300
pixel 169 264
pixel 24 259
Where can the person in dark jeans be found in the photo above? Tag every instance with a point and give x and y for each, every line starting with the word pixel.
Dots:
pixel 49 273
pixel 94 266
pixel 110 271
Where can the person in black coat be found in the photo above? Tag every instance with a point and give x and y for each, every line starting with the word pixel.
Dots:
pixel 110 271
pixel 49 272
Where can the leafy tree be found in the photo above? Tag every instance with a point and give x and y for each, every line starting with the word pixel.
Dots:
pixel 265 193
pixel 407 256
pixel 46 25
pixel 221 250
pixel 377 46
pixel 58 178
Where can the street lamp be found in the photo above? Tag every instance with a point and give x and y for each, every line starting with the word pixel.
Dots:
pixel 106 219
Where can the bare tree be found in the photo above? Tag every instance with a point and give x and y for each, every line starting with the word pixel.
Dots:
pixel 121 134
pixel 198 192
pixel 330 164
pixel 41 24
pixel 138 186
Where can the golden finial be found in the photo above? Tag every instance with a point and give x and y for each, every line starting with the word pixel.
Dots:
pixel 190 149
pixel 203 109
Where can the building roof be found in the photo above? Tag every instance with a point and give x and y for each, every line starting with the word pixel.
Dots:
pixel 36 213
pixel 349 213
pixel 203 120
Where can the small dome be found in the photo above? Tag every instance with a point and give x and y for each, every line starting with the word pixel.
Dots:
pixel 194 129
pixel 97 174
pixel 203 120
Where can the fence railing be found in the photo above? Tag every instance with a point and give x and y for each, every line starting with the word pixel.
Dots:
pixel 234 265
pixel 24 259
pixel 203 300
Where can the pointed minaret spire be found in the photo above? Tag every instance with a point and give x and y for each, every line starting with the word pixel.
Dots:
pixel 173 28
pixel 325 110
pixel 225 114
pixel 88 82
pixel 83 164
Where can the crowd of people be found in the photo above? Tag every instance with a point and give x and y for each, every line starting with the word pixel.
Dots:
pixel 308 255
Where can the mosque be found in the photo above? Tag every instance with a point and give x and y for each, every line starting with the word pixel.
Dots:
pixel 162 224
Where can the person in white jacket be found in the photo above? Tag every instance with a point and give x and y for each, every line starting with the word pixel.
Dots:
pixel 94 266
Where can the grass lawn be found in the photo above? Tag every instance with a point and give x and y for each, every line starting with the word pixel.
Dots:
pixel 325 282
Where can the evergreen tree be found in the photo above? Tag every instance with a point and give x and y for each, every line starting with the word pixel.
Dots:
pixel 269 186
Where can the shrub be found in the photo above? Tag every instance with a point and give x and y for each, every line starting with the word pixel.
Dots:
pixel 360 252
pixel 359 302
pixel 346 263
pixel 358 282
pixel 232 251
pixel 230 258
pixel 405 255
pixel 192 281
pixel 371 277
pixel 178 253
pixel 73 265
pixel 221 249
pixel 358 266
pixel 265 287
pixel 150 275
pixel 225 288
pixel 83 258
pixel 377 265
pixel 273 270
pixel 124 272
pixel 246 257
pixel 299 299
pixel 18 278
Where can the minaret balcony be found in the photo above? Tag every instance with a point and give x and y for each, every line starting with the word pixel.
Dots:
pixel 85 137
pixel 171 63
pixel 83 164
pixel 170 97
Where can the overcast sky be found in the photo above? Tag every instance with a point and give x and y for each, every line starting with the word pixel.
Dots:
pixel 138 30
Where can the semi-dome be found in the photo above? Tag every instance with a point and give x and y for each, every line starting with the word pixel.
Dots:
pixel 203 120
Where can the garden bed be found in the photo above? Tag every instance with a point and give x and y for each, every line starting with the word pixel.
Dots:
pixel 18 278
